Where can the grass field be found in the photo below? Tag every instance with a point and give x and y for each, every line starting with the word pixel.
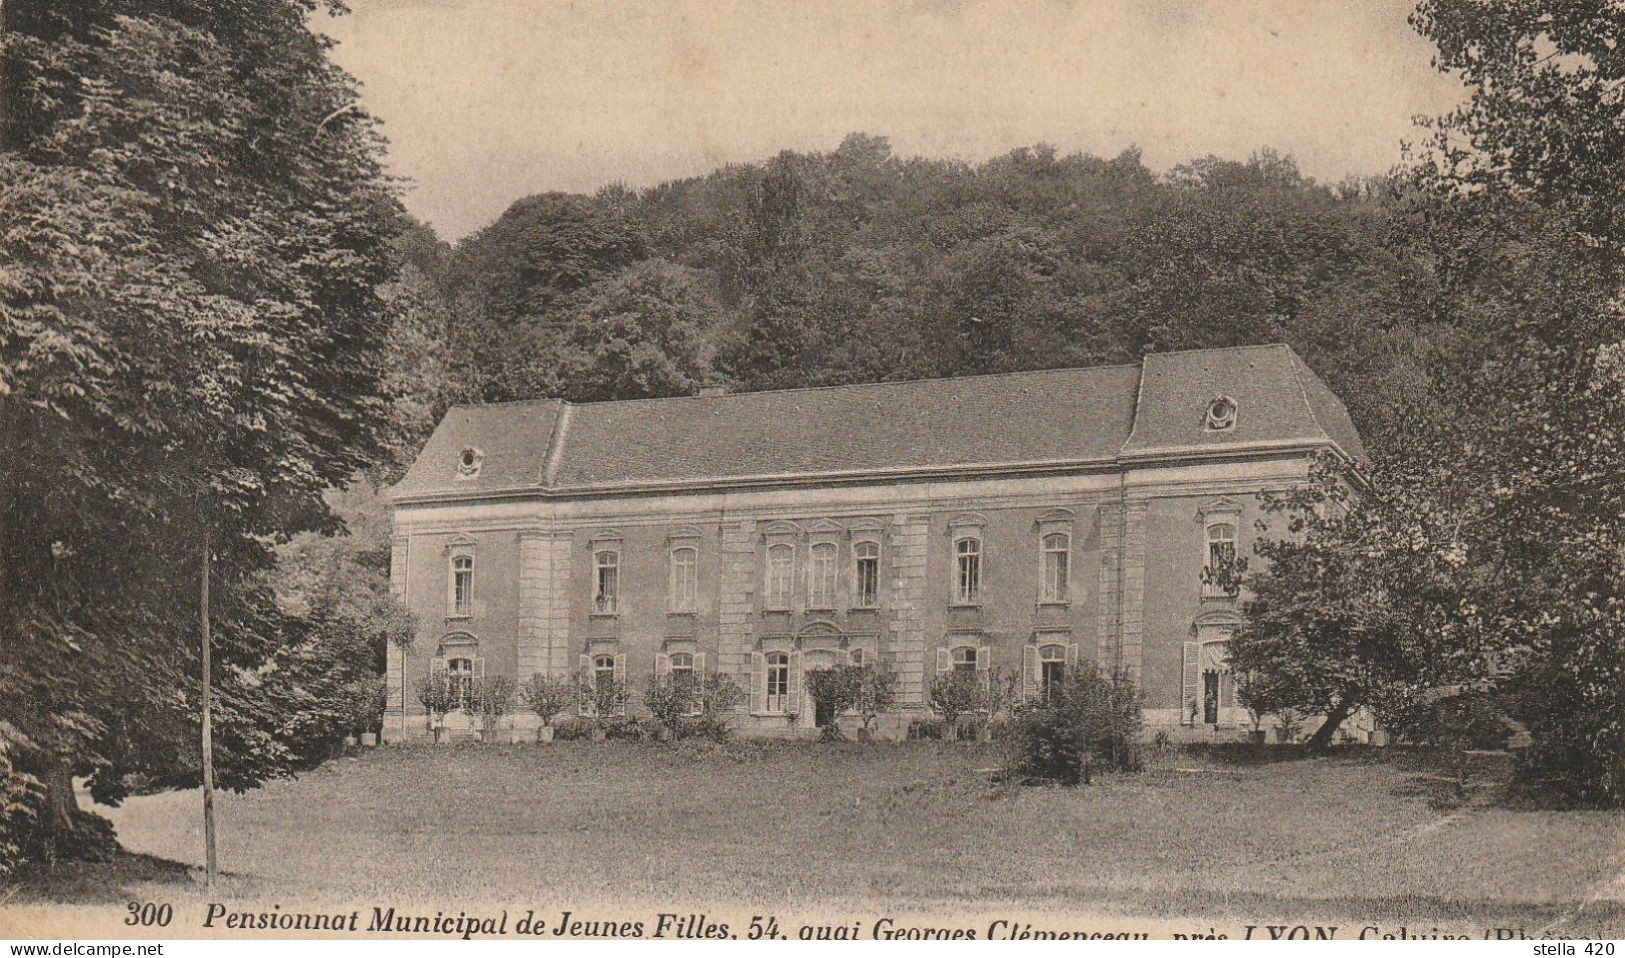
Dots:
pixel 916 825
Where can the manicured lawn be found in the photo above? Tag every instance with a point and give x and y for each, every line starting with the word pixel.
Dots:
pixel 911 826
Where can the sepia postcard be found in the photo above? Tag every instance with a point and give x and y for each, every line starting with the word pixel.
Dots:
pixel 772 470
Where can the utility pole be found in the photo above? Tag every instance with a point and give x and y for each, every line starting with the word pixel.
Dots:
pixel 211 868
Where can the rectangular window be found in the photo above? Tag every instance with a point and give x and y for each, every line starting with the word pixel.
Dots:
pixel 778 682
pixel 1221 576
pixel 821 576
pixel 866 588
pixel 781 568
pixel 1057 549
pixel 968 571
pixel 462 585
pixel 606 581
pixel 684 561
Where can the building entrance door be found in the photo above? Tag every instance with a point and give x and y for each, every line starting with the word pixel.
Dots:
pixel 823 715
pixel 1210 697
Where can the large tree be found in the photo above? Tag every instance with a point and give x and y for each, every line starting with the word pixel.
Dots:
pixel 1522 209
pixel 190 333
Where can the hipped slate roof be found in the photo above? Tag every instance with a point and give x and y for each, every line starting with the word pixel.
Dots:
pixel 1032 420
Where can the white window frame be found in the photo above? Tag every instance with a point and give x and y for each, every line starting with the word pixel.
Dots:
pixel 967 569
pixel 460 680
pixel 465 608
pixel 823 574
pixel 860 598
pixel 682 578
pixel 776 703
pixel 773 597
pixel 1055 589
pixel 1051 654
pixel 606 603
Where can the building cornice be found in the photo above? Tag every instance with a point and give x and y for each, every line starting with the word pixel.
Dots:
pixel 1123 464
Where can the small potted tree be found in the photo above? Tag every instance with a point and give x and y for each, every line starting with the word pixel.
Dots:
pixel 490 701
pixel 996 696
pixel 668 698
pixel 833 690
pixel 604 699
pixel 876 693
pixel 954 695
pixel 716 695
pixel 368 697
pixel 436 695
pixel 547 696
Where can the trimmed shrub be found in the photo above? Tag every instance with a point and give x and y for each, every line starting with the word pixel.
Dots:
pixel 1087 720
pixel 547 696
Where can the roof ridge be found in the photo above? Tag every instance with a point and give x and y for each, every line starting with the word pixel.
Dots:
pixel 1225 349
pixel 833 386
pixel 1299 367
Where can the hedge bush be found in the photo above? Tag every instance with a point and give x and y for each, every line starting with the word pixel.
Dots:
pixel 1088 719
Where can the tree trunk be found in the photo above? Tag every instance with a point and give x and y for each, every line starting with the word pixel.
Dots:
pixel 61 803
pixel 1322 738
pixel 210 866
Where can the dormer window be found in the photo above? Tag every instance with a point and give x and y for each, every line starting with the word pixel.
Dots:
pixel 1221 414
pixel 469 463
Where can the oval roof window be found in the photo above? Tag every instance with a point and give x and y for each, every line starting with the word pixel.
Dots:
pixel 1221 413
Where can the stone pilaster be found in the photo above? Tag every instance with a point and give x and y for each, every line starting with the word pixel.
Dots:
pixel 906 547
pixel 394 659
pixel 1133 587
pixel 736 593
pixel 544 603
pixel 1111 594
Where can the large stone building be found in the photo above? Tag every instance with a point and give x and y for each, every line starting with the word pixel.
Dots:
pixel 1030 522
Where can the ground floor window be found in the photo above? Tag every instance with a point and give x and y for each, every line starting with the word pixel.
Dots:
pixel 1051 669
pixel 778 682
pixel 460 676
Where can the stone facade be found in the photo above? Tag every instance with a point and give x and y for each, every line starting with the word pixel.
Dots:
pixel 556 580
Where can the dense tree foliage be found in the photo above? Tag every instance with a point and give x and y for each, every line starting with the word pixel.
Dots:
pixel 1496 524
pixel 855 265
pixel 191 341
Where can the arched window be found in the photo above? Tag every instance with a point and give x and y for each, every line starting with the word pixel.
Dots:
pixel 778 681
pixel 603 670
pixel 968 571
pixel 460 676
pixel 781 570
pixel 462 585
pixel 1057 548
pixel 856 657
pixel 684 562
pixel 606 581
pixel 1051 669
pixel 866 577
pixel 821 576
pixel 964 659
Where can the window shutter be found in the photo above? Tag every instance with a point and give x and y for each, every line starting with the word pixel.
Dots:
pixel 584 682
pixel 1029 671
pixel 758 684
pixel 793 687
pixel 620 679
pixel 437 667
pixel 984 664
pixel 662 665
pixel 699 663
pixel 479 670
pixel 1071 657
pixel 943 665
pixel 1193 676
